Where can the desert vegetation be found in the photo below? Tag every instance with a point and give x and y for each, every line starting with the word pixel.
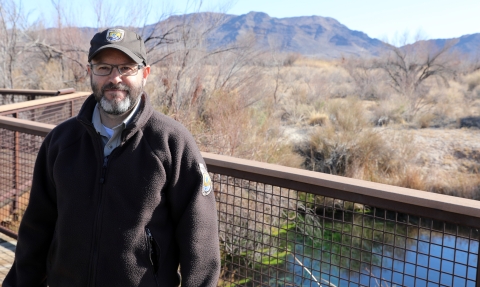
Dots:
pixel 369 118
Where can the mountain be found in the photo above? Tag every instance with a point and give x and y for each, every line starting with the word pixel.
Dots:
pixel 466 45
pixel 316 36
pixel 312 35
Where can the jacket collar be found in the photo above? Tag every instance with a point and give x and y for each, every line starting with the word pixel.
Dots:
pixel 137 122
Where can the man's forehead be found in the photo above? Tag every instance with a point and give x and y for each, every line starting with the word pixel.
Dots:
pixel 112 54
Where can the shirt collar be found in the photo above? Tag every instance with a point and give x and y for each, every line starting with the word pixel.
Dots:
pixel 133 112
pixel 97 122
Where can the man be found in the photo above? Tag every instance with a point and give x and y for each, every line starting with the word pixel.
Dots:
pixel 120 194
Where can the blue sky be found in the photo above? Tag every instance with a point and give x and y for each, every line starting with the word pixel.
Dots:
pixel 382 19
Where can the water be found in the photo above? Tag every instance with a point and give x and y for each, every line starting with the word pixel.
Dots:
pixel 427 260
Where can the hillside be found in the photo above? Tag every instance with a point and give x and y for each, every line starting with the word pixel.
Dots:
pixel 313 35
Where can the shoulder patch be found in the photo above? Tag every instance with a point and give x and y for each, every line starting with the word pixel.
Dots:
pixel 115 35
pixel 207 182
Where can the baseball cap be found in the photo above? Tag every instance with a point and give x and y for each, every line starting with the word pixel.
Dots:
pixel 126 41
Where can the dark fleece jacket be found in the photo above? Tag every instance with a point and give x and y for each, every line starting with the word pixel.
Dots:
pixel 128 221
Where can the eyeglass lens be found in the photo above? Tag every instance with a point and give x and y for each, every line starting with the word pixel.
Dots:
pixel 106 69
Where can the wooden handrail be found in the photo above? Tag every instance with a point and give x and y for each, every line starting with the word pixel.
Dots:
pixel 25 126
pixel 28 92
pixel 41 102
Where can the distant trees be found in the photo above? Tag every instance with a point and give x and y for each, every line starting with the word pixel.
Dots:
pixel 407 72
pixel 179 45
pixel 12 45
pixel 410 68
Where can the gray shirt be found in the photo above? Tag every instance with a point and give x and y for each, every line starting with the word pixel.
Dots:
pixel 111 140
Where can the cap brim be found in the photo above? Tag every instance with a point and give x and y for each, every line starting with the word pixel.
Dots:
pixel 129 53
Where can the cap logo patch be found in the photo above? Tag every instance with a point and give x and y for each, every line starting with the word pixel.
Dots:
pixel 207 182
pixel 115 35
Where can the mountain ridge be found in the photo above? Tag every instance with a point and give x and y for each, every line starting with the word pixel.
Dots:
pixel 316 36
pixel 313 35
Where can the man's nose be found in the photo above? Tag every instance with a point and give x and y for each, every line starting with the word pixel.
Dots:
pixel 115 76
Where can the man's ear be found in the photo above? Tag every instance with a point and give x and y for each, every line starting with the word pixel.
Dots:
pixel 89 71
pixel 146 72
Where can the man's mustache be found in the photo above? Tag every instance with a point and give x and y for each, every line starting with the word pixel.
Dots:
pixel 111 86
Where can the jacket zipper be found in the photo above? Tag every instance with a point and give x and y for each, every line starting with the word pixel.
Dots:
pixel 97 223
pixel 97 226
pixel 152 253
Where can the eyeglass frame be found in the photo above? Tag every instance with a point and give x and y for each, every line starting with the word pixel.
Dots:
pixel 138 66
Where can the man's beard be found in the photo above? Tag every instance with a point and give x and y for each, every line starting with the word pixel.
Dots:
pixel 114 106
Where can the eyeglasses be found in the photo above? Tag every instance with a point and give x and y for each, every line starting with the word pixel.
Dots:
pixel 124 70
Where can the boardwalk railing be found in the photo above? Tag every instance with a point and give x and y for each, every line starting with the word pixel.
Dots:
pixel 280 226
pixel 8 96
pixel 52 110
pixel 28 92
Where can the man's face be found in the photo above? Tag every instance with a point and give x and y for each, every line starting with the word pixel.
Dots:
pixel 115 93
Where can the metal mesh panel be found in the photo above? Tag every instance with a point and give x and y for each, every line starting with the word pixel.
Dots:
pixel 271 236
pixel 18 152
pixel 53 113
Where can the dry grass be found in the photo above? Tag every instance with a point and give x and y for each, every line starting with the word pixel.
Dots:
pixel 472 80
pixel 317 119
pixel 348 145
pixel 455 183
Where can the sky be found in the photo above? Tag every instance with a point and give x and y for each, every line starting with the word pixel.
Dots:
pixel 382 19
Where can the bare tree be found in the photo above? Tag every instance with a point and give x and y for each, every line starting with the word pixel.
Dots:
pixel 64 44
pixel 278 69
pixel 235 66
pixel 12 22
pixel 409 67
pixel 107 13
pixel 365 76
pixel 180 43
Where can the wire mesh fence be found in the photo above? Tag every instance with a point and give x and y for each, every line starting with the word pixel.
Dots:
pixel 51 113
pixel 272 236
pixel 18 152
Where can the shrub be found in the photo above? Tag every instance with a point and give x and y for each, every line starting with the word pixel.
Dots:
pixel 424 120
pixel 347 145
pixel 472 80
pixel 317 119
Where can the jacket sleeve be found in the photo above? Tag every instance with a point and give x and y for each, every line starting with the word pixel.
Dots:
pixel 36 228
pixel 193 205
